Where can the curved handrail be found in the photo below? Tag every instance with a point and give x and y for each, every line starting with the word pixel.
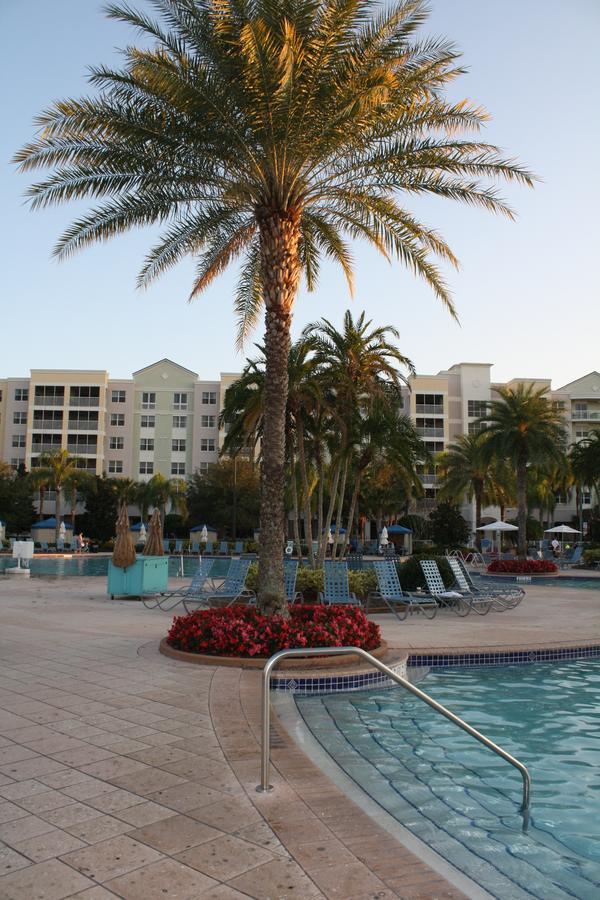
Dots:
pixel 342 651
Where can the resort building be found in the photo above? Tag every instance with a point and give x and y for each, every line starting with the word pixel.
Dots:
pixel 165 419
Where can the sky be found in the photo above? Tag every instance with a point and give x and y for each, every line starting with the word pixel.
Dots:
pixel 527 292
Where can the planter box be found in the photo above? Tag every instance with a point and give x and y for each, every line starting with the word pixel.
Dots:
pixel 258 662
pixel 148 575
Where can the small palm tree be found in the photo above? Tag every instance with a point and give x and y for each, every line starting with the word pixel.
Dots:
pixel 163 491
pixel 524 427
pixel 464 470
pixel 270 132
pixel 57 468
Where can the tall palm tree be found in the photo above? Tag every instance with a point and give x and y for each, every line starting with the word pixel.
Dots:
pixel 464 470
pixel 163 491
pixel 523 426
pixel 585 464
pixel 57 468
pixel 269 132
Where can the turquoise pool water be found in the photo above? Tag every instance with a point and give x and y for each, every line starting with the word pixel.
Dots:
pixel 461 799
pixel 60 567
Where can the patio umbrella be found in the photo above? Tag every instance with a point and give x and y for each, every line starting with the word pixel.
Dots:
pixel 142 535
pixel 62 531
pixel 561 529
pixel 204 534
pixel 124 551
pixel 498 527
pixel 154 545
pixel 383 537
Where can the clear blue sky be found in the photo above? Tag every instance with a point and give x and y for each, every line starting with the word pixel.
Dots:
pixel 527 292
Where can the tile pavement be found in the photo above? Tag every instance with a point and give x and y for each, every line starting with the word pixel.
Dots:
pixel 125 774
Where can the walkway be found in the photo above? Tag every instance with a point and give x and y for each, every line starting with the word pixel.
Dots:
pixel 125 774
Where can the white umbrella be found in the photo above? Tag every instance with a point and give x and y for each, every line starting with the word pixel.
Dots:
pixel 383 537
pixel 62 531
pixel 561 529
pixel 499 527
pixel 143 535
pixel 204 534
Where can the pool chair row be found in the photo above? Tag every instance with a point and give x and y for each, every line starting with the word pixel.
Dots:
pixel 209 548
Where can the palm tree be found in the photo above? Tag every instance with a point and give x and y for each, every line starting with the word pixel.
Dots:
pixel 464 470
pixel 585 464
pixel 162 491
pixel 268 132
pixel 79 478
pixel 57 468
pixel 523 426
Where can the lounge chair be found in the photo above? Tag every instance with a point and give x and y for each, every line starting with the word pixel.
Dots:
pixel 209 549
pixel 389 591
pixel 572 560
pixel 290 572
pixel 355 562
pixel 502 597
pixel 60 546
pixel 453 600
pixel 336 591
pixel 200 584
pixel 179 546
pixel 223 548
pixel 231 590
pixel 239 548
pixel 166 546
pixel 194 548
pixel 44 547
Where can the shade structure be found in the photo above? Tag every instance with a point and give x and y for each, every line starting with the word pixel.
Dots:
pixel 561 529
pixel 399 529
pixel 124 550
pixel 498 526
pixel 50 523
pixel 154 545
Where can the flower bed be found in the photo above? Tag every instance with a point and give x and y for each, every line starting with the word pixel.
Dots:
pixel 242 631
pixel 523 566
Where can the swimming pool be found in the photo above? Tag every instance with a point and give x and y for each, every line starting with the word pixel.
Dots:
pixel 63 567
pixel 561 581
pixel 462 800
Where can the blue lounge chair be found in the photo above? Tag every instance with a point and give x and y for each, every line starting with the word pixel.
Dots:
pixel 389 591
pixel 194 548
pixel 178 546
pixel 239 548
pixel 200 583
pixel 166 546
pixel 223 548
pixel 290 573
pixel 60 546
pixel 336 590
pixel 44 546
pixel 209 549
pixel 355 562
pixel 502 597
pixel 571 560
pixel 231 590
pixel 436 588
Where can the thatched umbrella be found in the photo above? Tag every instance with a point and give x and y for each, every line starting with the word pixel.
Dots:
pixel 154 545
pixel 124 551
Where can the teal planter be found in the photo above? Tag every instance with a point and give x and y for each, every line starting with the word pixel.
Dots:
pixel 148 575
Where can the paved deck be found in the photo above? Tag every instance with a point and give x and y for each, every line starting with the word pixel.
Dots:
pixel 123 773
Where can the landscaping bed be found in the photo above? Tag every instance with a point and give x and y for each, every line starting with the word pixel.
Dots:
pixel 522 567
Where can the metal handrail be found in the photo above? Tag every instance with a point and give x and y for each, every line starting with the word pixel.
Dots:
pixel 345 651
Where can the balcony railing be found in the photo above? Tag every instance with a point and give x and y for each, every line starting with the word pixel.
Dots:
pixel 430 432
pixel 428 479
pixel 585 414
pixel 44 447
pixel 84 426
pixel 45 425
pixel 430 408
pixel 83 449
pixel 92 402
pixel 48 401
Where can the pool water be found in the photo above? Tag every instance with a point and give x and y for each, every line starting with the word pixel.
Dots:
pixel 562 581
pixel 461 799
pixel 61 567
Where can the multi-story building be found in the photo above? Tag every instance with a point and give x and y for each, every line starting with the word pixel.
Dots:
pixel 166 420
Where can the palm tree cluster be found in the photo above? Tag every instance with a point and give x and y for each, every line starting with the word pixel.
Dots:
pixel 269 132
pixel 344 425
pixel 520 456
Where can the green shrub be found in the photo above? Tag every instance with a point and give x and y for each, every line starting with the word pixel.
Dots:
pixel 310 582
pixel 590 557
pixel 411 576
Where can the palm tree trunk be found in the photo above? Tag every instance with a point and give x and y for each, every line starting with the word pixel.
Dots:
pixel 57 512
pixel 522 505
pixel 73 505
pixel 307 496
pixel 42 495
pixel 279 240
pixel 329 517
pixel 320 500
pixel 338 515
pixel 295 506
pixel 478 492
pixel 353 503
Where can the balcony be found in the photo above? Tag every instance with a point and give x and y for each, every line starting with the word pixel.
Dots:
pixel 83 449
pixel 83 426
pixel 45 447
pixel 91 402
pixel 585 415
pixel 48 401
pixel 44 425
pixel 428 480
pixel 430 432
pixel 432 409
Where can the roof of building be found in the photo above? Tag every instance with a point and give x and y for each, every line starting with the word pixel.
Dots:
pixel 161 362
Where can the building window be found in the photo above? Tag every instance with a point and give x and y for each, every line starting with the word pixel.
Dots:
pixel 80 420
pixel 430 403
pixel 203 468
pixel 179 421
pixel 147 422
pixel 19 440
pixel 148 400
pixel 209 397
pixel 146 443
pixel 15 463
pixel 146 468
pixel 21 394
pixel 118 396
pixel 178 445
pixel 84 395
pixel 477 408
pixel 20 418
pixel 117 419
pixel 208 421
pixel 116 443
pixel 207 445
pixel 177 468
pixel 180 400
pixel 115 466
pixel 82 443
pixel 434 446
pixel 476 427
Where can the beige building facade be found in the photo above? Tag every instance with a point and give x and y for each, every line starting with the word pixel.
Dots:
pixel 165 419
